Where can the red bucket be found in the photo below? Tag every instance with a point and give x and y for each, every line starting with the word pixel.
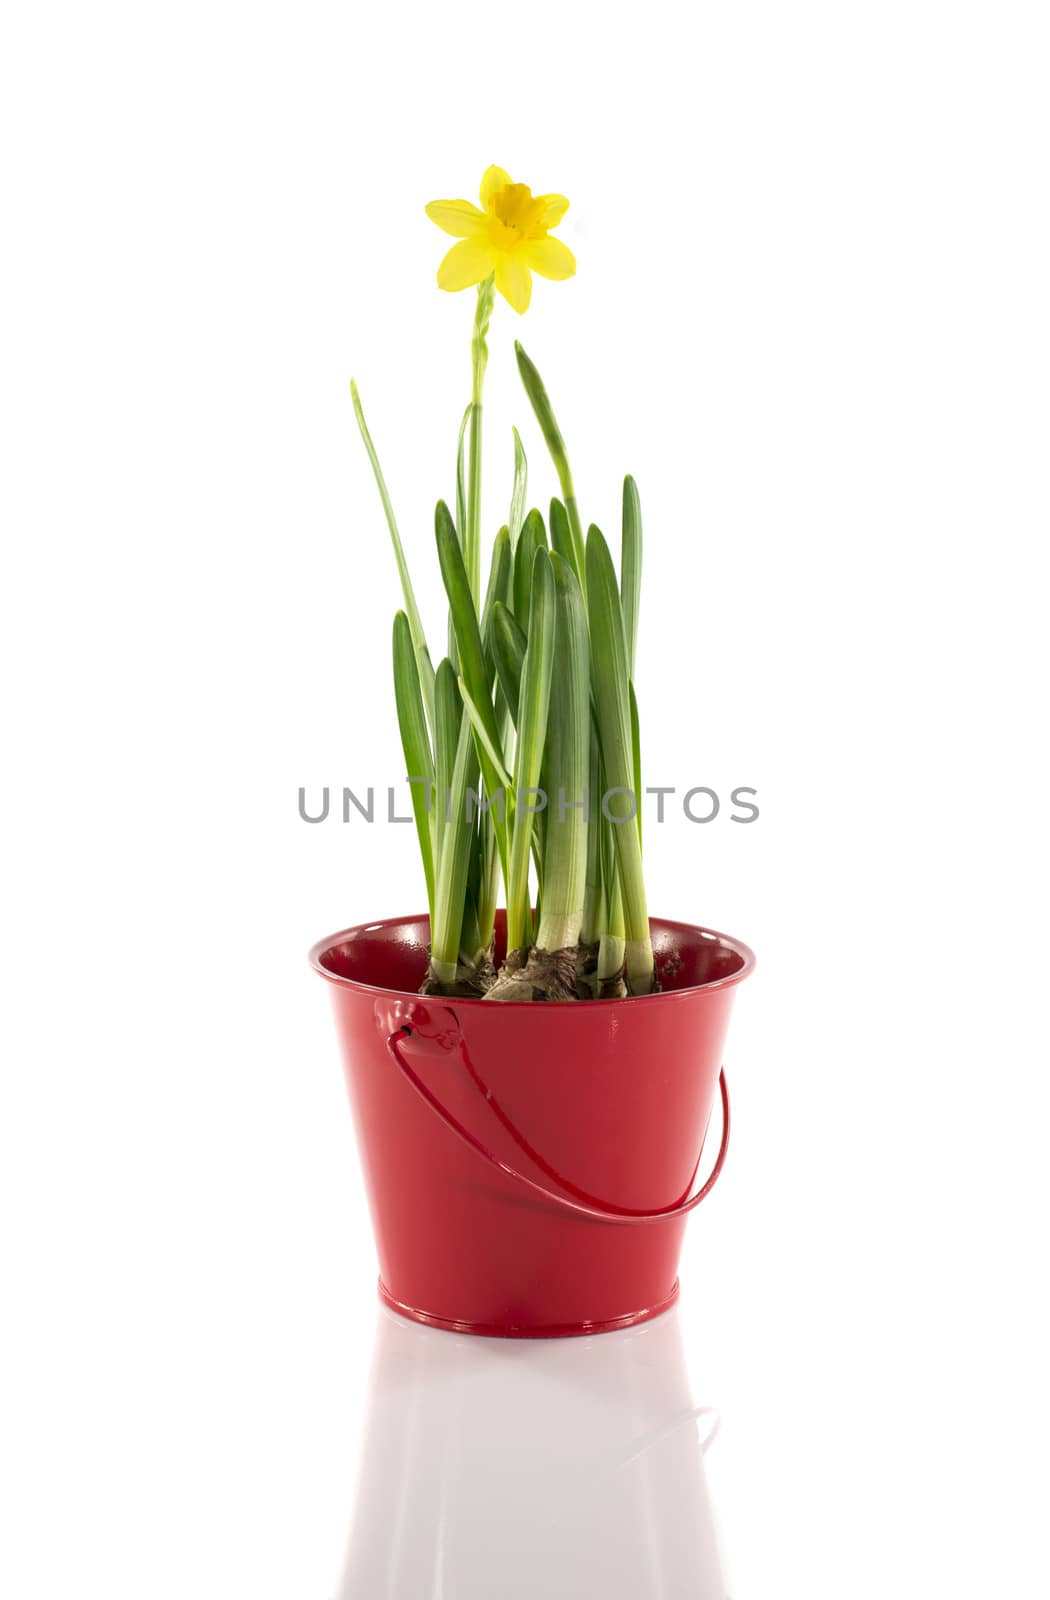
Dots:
pixel 529 1166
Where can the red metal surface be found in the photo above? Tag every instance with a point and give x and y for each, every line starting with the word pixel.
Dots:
pixel 582 1205
pixel 508 1157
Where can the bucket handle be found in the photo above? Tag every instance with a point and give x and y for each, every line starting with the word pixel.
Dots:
pixel 593 1211
pixel 656 1436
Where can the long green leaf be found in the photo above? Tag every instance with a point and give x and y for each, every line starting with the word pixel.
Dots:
pixel 631 567
pixel 474 668
pixel 481 733
pixel 464 618
pixel 508 649
pixel 419 640
pixel 470 942
pixel 544 411
pixel 449 709
pixel 499 585
pixel 561 534
pixel 533 538
pixel 594 901
pixel 533 708
pixel 461 520
pixel 613 943
pixel 567 768
pixel 518 491
pixel 492 836
pixel 636 756
pixel 611 690
pixel 416 746
pixel 457 837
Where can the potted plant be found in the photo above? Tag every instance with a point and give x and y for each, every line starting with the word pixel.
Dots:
pixel 531 1088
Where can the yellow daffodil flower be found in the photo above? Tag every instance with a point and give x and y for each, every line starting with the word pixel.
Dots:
pixel 509 236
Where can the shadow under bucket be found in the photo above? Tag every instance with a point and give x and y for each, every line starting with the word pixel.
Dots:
pixel 529 1166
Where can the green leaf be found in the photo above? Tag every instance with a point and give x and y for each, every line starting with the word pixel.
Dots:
pixel 482 735
pixel 544 411
pixel 457 838
pixel 474 668
pixel 499 585
pixel 567 768
pixel 508 649
pixel 594 901
pixel 519 490
pixel 631 567
pixel 561 535
pixel 449 709
pixel 416 746
pixel 611 684
pixel 464 617
pixel 533 538
pixel 419 640
pixel 611 690
pixel 533 707
pixel 636 756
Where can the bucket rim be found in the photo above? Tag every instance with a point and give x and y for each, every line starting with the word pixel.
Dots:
pixel 737 946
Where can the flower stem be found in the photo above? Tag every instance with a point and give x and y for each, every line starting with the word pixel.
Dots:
pixel 479 355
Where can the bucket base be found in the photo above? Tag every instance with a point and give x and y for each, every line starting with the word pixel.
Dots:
pixel 557 1330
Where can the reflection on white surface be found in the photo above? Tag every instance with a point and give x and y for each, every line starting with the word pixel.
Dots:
pixel 562 1469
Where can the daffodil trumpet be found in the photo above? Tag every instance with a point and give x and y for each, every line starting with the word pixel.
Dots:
pixel 523 748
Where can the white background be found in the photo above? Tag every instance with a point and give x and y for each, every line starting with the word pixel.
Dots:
pixel 811 316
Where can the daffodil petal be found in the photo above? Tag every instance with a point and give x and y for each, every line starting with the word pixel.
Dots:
pixel 494 180
pixel 549 257
pixel 514 280
pixel 554 208
pixel 458 217
pixel 467 263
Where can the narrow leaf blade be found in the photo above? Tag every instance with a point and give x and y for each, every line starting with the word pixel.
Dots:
pixel 611 690
pixel 631 567
pixel 412 610
pixel 508 650
pixel 415 744
pixel 544 411
pixel 518 491
pixel 481 733
pixel 533 538
pixel 561 536
pixel 568 762
pixel 533 708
